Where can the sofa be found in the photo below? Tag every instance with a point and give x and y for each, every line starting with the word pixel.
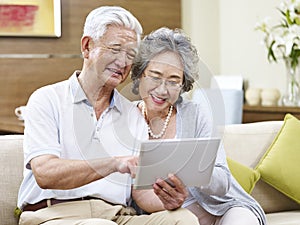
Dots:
pixel 244 143
pixel 247 143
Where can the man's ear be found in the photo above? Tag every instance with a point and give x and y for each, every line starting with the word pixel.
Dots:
pixel 85 46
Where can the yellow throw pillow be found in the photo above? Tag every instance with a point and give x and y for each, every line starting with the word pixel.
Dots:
pixel 245 176
pixel 280 165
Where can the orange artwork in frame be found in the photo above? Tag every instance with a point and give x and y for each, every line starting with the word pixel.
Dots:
pixel 40 18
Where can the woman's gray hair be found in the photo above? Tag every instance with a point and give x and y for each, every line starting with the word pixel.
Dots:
pixel 164 40
pixel 99 19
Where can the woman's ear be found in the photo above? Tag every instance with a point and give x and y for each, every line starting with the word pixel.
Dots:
pixel 135 86
pixel 85 46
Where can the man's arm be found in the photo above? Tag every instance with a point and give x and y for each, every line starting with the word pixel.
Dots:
pixel 52 172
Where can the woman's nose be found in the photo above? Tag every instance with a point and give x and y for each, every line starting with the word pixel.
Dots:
pixel 162 88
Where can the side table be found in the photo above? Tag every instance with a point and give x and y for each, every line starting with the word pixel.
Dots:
pixel 267 113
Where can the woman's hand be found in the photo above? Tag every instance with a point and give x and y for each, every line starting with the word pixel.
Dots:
pixel 171 195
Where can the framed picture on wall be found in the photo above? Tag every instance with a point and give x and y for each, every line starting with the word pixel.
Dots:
pixel 31 18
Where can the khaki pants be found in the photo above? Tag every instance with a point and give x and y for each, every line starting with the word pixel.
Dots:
pixel 99 212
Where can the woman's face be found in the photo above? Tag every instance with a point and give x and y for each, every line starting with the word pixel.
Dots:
pixel 161 81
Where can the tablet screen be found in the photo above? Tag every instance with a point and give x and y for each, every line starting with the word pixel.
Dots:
pixel 191 159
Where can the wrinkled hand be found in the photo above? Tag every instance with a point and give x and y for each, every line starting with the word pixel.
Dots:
pixel 126 164
pixel 173 196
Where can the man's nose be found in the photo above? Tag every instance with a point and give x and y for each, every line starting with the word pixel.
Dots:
pixel 121 59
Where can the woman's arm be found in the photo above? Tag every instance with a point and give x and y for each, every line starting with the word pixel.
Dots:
pixel 147 200
pixel 220 180
pixel 163 196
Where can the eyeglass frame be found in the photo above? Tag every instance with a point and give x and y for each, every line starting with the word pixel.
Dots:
pixel 158 81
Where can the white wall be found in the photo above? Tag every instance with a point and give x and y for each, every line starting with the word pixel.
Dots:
pixel 200 20
pixel 223 32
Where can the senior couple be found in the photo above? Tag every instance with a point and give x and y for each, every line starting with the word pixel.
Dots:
pixel 81 136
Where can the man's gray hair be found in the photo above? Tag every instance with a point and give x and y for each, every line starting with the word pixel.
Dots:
pixel 99 19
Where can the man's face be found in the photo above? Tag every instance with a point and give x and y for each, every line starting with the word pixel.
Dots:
pixel 111 57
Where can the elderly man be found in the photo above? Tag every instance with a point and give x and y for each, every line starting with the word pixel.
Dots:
pixel 82 136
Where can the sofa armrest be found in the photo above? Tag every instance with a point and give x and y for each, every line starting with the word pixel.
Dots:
pixel 11 168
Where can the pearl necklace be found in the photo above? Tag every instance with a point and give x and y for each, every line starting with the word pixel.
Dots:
pixel 166 123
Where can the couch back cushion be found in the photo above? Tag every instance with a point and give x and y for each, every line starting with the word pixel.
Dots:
pixel 11 167
pixel 246 144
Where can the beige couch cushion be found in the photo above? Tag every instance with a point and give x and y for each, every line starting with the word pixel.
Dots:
pixel 11 161
pixel 272 200
pixel 247 143
pixel 290 218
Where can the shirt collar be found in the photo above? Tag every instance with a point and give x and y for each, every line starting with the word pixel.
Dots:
pixel 116 101
pixel 76 90
pixel 78 94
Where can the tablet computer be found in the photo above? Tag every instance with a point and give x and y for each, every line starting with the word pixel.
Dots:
pixel 191 159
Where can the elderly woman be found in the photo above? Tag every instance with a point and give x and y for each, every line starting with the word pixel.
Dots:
pixel 165 67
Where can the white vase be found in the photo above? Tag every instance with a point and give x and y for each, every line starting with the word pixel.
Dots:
pixel 291 97
pixel 252 96
pixel 270 97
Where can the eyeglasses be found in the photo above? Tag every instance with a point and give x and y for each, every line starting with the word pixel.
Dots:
pixel 157 81
pixel 117 49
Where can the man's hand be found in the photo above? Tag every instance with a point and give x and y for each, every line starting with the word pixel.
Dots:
pixel 172 196
pixel 126 164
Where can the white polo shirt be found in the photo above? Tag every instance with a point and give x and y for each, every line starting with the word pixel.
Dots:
pixel 60 121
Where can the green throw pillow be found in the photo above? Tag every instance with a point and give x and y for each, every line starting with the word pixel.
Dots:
pixel 245 176
pixel 280 165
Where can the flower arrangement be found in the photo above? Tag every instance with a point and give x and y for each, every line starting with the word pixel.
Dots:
pixel 283 39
